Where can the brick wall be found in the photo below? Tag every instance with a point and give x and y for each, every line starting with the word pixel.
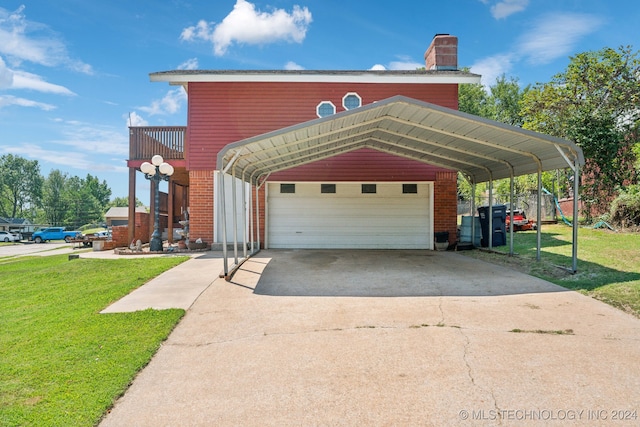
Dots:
pixel 120 233
pixel 261 214
pixel 445 215
pixel 201 205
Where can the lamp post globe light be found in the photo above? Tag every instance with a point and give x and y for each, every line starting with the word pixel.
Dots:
pixel 156 171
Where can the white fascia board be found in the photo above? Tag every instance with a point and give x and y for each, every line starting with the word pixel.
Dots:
pixel 183 79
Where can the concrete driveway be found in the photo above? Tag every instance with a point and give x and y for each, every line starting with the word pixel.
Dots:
pixel 411 338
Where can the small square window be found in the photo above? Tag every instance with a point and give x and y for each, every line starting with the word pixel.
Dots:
pixel 368 188
pixel 287 188
pixel 327 188
pixel 409 188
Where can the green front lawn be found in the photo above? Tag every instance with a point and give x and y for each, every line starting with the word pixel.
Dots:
pixel 61 362
pixel 608 262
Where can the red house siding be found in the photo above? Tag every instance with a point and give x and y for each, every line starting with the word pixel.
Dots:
pixel 226 112
pixel 222 113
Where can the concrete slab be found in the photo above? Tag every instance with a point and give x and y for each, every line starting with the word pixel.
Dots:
pixel 386 338
pixel 175 288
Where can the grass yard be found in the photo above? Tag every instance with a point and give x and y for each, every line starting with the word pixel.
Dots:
pixel 608 262
pixel 61 362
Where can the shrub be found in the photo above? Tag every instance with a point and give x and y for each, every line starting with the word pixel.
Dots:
pixel 625 209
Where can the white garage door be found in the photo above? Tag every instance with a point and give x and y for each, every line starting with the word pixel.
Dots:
pixel 350 215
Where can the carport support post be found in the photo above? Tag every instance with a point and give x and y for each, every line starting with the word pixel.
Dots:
pixel 473 212
pixel 251 219
pixel 244 216
pixel 234 220
pixel 539 214
pixel 223 224
pixel 511 216
pixel 491 212
pixel 576 187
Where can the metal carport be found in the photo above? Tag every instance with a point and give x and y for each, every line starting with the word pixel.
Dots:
pixel 482 150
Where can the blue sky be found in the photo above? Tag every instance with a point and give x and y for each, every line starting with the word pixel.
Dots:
pixel 74 72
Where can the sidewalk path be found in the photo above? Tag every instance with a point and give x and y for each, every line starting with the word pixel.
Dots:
pixel 178 287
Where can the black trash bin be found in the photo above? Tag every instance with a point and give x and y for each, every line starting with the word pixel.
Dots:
pixel 441 236
pixel 499 232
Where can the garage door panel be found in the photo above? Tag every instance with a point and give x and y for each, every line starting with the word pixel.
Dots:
pixel 349 219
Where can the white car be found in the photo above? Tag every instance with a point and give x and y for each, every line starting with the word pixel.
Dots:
pixel 5 236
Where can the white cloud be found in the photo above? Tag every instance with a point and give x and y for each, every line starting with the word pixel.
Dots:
pixel 554 36
pixel 6 76
pixel 508 7
pixel 245 24
pixel 71 158
pixel 189 64
pixel 91 138
pixel 8 100
pixel 293 66
pixel 403 63
pixel 23 80
pixel 493 67
pixel 134 119
pixel 169 104
pixel 549 38
pixel 26 41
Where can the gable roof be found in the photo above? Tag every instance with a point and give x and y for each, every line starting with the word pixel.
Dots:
pixel 480 148
pixel 14 221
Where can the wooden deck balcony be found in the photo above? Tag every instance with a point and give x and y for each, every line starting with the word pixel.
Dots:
pixel 147 141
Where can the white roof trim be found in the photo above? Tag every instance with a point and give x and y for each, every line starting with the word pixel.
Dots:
pixel 417 77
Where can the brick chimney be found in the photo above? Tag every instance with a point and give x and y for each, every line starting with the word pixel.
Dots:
pixel 442 54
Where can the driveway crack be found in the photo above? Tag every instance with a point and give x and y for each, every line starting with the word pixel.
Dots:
pixel 465 358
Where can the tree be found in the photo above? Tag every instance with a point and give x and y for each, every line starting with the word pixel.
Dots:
pixel 72 201
pixel 99 190
pixel 54 203
pixel 500 103
pixel 594 103
pixel 83 206
pixel 123 202
pixel 20 185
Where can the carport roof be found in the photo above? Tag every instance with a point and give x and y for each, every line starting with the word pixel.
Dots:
pixel 480 148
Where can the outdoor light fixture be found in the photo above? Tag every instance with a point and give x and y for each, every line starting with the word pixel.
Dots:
pixel 156 171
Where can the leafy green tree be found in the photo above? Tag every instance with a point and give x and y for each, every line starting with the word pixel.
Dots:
pixel 99 190
pixel 594 102
pixel 54 203
pixel 501 102
pixel 123 202
pixel 20 186
pixel 83 206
